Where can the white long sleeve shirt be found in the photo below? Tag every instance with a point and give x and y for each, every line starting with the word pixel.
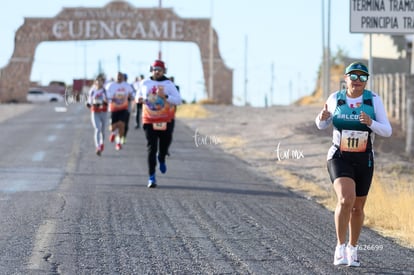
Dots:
pixel 380 125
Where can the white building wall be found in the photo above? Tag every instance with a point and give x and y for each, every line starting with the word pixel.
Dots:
pixel 383 46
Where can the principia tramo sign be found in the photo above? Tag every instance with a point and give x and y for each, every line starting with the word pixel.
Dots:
pixel 382 16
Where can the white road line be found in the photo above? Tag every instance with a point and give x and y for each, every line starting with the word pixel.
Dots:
pixel 38 156
pixel 51 138
pixel 46 231
pixel 61 109
pixel 41 244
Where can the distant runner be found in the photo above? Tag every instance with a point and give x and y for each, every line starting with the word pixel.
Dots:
pixel 118 93
pixel 98 104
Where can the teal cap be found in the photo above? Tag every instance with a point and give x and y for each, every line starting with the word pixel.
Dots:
pixel 356 66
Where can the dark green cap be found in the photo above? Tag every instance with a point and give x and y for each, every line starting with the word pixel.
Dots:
pixel 356 66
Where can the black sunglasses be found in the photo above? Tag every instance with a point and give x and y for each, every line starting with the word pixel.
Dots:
pixel 362 78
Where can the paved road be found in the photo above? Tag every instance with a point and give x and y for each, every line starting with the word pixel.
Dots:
pixel 66 211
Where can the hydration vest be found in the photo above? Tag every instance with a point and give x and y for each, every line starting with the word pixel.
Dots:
pixel 345 117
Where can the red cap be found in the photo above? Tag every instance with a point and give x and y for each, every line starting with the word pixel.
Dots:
pixel 158 64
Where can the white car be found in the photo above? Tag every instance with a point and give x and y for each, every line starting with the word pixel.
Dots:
pixel 42 96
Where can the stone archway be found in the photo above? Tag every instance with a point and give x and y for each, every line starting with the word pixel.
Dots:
pixel 116 20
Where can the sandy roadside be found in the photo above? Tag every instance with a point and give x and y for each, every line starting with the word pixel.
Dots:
pixel 268 138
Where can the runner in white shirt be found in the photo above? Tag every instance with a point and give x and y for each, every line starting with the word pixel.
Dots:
pixel 158 95
pixel 118 93
pixel 357 115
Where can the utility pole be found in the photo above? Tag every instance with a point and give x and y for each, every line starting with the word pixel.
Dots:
pixel 412 56
pixel 159 44
pixel 323 51
pixel 118 60
pixel 272 80
pixel 245 70
pixel 326 61
pixel 100 69
pixel 85 63
pixel 328 53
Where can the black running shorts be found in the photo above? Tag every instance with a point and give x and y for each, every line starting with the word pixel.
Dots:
pixel 119 116
pixel 358 166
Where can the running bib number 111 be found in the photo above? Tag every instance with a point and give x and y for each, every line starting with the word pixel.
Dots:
pixel 354 141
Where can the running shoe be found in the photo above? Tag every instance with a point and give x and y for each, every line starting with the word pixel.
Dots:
pixel 98 151
pixel 340 255
pixel 101 147
pixel 351 252
pixel 112 137
pixel 118 146
pixel 163 166
pixel 123 140
pixel 152 183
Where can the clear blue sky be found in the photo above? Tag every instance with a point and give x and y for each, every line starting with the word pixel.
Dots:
pixel 287 34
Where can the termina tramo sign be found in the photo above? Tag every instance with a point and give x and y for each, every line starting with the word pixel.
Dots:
pixel 382 16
